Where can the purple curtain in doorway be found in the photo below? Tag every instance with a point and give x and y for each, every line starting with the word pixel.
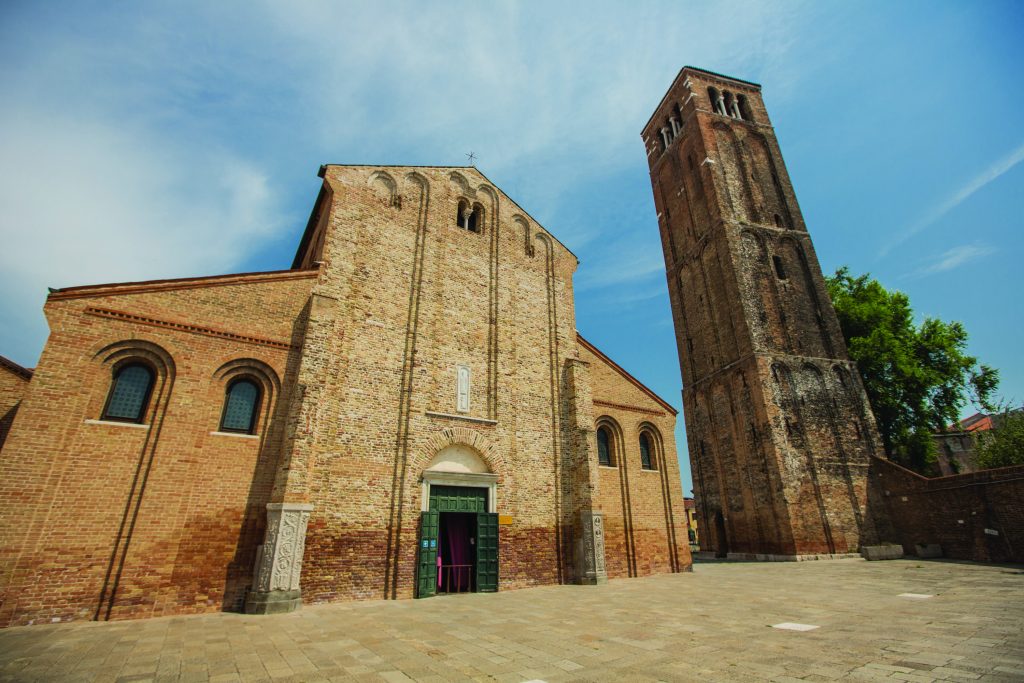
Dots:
pixel 456 549
pixel 459 548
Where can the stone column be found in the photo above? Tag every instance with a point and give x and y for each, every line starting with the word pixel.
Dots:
pixel 720 105
pixel 279 560
pixel 590 559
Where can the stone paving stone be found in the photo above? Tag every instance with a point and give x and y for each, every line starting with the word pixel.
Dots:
pixel 708 625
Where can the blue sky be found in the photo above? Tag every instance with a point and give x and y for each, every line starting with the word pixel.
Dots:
pixel 145 140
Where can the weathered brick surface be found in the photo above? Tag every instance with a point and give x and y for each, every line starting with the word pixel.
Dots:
pixel 126 520
pixel 358 349
pixel 778 424
pixel 645 521
pixel 13 384
pixel 411 296
pixel 955 511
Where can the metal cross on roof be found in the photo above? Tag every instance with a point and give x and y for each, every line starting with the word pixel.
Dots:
pixel 471 157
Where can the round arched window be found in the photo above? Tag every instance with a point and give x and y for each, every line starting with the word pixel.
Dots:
pixel 129 393
pixel 240 407
pixel 604 447
pixel 645 452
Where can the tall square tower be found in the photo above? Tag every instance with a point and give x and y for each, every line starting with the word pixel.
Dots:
pixel 778 424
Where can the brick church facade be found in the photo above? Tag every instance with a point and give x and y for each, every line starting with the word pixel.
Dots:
pixel 408 410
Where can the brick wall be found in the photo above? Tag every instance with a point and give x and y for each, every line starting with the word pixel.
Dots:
pixel 13 384
pixel 358 357
pixel 115 520
pixel 778 424
pixel 644 515
pixel 408 296
pixel 955 511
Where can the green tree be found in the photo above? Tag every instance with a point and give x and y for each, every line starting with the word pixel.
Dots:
pixel 1003 445
pixel 917 377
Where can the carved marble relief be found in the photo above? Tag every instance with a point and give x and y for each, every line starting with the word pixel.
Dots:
pixel 281 560
pixel 591 561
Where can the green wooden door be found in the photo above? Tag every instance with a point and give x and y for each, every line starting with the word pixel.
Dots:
pixel 486 552
pixel 458 499
pixel 426 567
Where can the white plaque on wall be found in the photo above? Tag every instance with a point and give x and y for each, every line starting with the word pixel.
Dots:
pixel 462 388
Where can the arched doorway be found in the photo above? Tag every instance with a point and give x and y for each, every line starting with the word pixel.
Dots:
pixel 458 544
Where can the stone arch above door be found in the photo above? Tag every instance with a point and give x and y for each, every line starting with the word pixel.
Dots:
pixel 456 459
pixel 461 436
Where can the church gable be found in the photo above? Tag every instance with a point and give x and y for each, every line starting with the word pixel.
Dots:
pixel 614 388
pixel 258 308
pixel 389 197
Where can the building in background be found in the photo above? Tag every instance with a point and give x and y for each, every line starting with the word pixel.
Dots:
pixel 691 523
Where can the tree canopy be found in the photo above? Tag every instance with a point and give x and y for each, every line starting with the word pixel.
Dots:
pixel 917 377
pixel 1003 445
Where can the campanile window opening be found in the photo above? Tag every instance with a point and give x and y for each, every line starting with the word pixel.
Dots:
pixel 469 217
pixel 717 102
pixel 780 269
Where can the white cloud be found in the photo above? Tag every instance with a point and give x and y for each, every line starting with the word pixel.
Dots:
pixel 953 258
pixel 88 202
pixel 990 174
pixel 144 142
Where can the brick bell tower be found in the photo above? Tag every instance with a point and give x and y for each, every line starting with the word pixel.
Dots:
pixel 778 424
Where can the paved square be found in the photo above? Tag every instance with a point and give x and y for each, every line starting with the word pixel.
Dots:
pixel 711 625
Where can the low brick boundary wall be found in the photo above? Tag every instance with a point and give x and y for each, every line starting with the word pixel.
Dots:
pixel 975 516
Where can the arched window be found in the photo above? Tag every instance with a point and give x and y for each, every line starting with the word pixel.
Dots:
pixel 780 269
pixel 241 404
pixel 745 112
pixel 645 452
pixel 469 217
pixel 476 219
pixel 129 393
pixel 604 447
pixel 717 103
pixel 730 104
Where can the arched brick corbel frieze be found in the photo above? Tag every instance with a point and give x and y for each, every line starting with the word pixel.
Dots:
pixel 386 188
pixel 461 185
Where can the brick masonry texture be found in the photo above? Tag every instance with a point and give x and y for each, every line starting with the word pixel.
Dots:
pixel 13 384
pixel 112 519
pixel 645 521
pixel 355 351
pixel 974 516
pixel 778 424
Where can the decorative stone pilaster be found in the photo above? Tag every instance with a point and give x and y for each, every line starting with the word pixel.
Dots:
pixel 590 549
pixel 279 560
